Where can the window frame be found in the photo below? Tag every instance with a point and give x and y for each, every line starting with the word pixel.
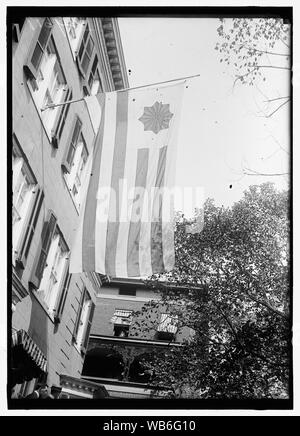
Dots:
pixel 30 69
pixel 60 286
pixel 22 247
pixel 66 164
pixel 122 321
pixel 88 87
pixel 40 86
pixel 84 44
pixel 82 345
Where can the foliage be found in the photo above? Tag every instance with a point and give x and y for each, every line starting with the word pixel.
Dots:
pixel 231 288
pixel 252 45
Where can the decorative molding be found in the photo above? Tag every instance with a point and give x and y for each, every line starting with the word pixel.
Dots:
pixel 114 50
pixel 80 387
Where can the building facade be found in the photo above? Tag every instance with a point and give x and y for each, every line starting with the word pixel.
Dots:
pixel 129 325
pixel 54 60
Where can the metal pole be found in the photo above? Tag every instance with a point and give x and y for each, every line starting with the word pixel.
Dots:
pixel 49 106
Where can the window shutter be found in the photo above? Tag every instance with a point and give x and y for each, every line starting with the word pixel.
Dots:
pixel 78 315
pixel 88 329
pixel 38 48
pixel 61 118
pixel 40 261
pixel 62 296
pixel 30 229
pixel 70 151
pixel 85 53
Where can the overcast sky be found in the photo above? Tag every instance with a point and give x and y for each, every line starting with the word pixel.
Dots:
pixel 223 129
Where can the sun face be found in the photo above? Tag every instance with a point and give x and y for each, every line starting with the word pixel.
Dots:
pixel 156 118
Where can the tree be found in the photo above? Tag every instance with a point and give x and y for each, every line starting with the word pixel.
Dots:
pixel 251 47
pixel 231 287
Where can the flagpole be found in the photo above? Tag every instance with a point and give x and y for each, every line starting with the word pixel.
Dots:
pixel 158 83
pixel 49 106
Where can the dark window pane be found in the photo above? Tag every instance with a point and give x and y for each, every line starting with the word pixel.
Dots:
pixel 127 290
pixel 91 79
pixel 95 64
pixel 85 62
pixel 37 56
pixel 81 50
pixel 45 32
pixel 89 47
pixel 71 153
pixel 76 132
pixel 86 33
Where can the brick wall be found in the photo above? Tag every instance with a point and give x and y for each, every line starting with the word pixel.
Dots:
pixel 45 161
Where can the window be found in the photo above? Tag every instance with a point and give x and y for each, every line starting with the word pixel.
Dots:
pixel 39 49
pixel 54 271
pixel 83 322
pixel 27 201
pixel 74 28
pixel 167 326
pixel 122 319
pixel 127 290
pixel 62 298
pixel 46 79
pixel 62 117
pixel 85 51
pixel 75 162
pixel 94 81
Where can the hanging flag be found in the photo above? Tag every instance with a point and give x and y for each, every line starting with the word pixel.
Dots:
pixel 126 217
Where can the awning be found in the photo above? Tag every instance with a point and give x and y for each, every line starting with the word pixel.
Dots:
pixel 27 358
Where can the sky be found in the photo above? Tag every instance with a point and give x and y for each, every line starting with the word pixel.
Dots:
pixel 223 128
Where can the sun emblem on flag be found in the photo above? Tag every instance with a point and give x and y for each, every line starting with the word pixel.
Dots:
pixel 157 117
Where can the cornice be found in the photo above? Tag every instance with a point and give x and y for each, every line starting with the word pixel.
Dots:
pixel 114 52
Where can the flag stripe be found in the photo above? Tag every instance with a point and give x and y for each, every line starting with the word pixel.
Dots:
pixel 133 266
pixel 156 225
pixel 145 231
pixel 88 234
pixel 117 174
pixel 105 180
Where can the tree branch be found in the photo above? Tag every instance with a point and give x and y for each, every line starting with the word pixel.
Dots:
pixel 274 99
pixel 264 51
pixel 268 116
pixel 256 173
pixel 257 67
pixel 257 300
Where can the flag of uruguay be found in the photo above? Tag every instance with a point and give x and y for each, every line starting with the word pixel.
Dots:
pixel 126 217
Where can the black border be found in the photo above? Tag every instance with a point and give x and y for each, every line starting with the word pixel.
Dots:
pixel 135 12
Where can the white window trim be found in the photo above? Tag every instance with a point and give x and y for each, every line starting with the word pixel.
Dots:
pixel 83 322
pixel 74 42
pixel 71 177
pixel 49 298
pixel 19 226
pixel 38 94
